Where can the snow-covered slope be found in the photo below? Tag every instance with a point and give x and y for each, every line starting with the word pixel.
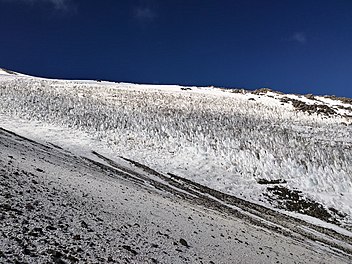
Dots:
pixel 288 152
pixel 56 207
pixel 6 72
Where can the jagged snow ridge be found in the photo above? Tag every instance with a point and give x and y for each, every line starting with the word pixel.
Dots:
pixel 217 138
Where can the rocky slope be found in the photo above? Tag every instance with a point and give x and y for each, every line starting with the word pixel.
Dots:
pixel 60 208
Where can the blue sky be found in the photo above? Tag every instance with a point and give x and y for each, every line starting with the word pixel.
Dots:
pixel 291 46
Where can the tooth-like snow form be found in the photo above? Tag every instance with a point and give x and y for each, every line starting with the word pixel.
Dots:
pixel 219 138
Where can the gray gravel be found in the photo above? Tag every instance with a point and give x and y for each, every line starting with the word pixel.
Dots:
pixel 59 208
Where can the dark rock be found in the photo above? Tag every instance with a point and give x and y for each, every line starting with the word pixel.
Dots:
pixel 310 96
pixel 310 108
pixel 57 256
pixel 76 237
pixel 29 207
pixel 294 201
pixel 184 243
pixel 51 228
pixel 84 224
pixel 34 181
pixel 99 219
pixel 264 91
pixel 26 251
pixel 130 249
pixel 264 181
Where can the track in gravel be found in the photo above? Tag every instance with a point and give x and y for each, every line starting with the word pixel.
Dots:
pixel 229 205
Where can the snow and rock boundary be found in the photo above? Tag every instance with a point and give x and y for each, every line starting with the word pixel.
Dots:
pixel 58 207
pixel 219 138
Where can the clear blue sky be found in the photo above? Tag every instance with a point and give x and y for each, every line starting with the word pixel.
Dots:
pixel 299 46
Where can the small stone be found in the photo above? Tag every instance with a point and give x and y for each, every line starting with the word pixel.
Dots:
pixel 34 181
pixel 184 243
pixel 77 237
pixel 84 224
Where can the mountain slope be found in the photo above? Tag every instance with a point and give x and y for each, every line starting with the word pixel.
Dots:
pixel 57 207
pixel 291 153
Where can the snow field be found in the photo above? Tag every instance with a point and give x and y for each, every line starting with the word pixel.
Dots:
pixel 220 139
